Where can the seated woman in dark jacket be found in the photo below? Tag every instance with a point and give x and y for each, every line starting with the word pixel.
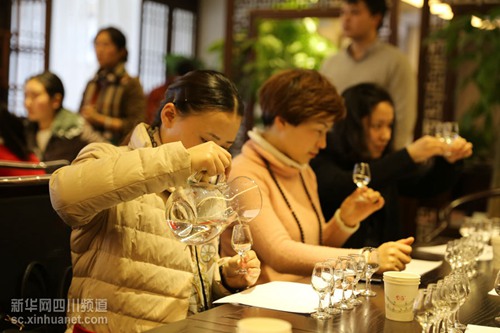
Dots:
pixel 426 167
pixel 53 132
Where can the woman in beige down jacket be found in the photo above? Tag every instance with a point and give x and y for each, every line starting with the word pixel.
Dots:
pixel 126 264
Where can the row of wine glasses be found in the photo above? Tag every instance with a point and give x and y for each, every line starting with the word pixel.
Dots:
pixel 343 273
pixel 446 131
pixel 463 254
pixel 481 225
pixel 437 305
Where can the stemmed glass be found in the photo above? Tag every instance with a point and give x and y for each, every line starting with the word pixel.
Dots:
pixel 359 262
pixel 422 307
pixel 321 278
pixel 361 174
pixel 458 288
pixel 450 131
pixel 447 132
pixel 347 267
pixel 441 306
pixel 337 276
pixel 241 242
pixel 497 289
pixel 371 266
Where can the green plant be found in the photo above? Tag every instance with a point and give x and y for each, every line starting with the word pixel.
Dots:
pixel 173 60
pixel 481 48
pixel 279 44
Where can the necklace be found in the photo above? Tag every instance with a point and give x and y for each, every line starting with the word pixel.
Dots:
pixel 290 207
pixel 151 133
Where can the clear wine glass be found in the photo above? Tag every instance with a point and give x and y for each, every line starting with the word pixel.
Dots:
pixel 450 131
pixel 337 276
pixel 467 227
pixel 241 241
pixel 497 289
pixel 459 290
pixel 359 261
pixel 422 309
pixel 321 278
pixel 371 266
pixel 348 267
pixel 361 174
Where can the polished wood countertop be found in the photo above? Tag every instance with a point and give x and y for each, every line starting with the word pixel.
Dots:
pixel 479 309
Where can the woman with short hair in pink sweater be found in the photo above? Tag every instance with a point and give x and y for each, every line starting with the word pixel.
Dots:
pixel 290 234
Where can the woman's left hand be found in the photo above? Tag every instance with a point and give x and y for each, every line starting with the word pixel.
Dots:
pixel 459 149
pixel 236 280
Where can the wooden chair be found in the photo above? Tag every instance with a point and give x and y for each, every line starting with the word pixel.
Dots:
pixel 468 203
pixel 48 166
pixel 34 248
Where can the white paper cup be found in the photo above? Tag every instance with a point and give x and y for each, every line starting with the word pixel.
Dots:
pixel 495 244
pixel 263 324
pixel 400 290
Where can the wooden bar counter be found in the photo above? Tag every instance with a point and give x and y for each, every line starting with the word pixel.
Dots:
pixel 479 309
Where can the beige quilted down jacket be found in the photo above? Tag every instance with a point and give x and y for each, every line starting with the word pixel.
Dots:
pixel 122 253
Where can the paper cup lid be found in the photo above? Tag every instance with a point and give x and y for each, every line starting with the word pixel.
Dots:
pixel 401 277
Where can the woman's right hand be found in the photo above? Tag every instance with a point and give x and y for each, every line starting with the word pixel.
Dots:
pixel 210 158
pixel 359 205
pixel 426 147
pixel 394 256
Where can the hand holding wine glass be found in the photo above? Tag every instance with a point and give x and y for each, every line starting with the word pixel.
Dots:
pixel 241 242
pixel 372 264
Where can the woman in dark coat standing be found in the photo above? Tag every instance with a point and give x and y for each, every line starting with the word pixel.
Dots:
pixel 113 101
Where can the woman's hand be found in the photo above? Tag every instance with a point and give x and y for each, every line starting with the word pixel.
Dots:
pixel 394 256
pixel 236 280
pixel 459 149
pixel 426 147
pixel 359 205
pixel 210 158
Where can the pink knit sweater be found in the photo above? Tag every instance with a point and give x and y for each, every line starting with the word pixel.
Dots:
pixel 276 234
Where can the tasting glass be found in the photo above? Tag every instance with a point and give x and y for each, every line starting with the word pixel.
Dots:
pixel 371 266
pixel 320 281
pixel 241 241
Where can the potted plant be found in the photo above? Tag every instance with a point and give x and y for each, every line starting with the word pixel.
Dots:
pixel 474 49
pixel 478 49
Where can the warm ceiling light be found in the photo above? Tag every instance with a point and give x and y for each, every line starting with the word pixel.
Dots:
pixel 438 8
pixel 479 23
pixel 415 3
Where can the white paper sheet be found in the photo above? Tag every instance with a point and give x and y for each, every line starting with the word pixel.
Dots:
pixel 421 267
pixel 281 296
pixel 481 329
pixel 493 292
pixel 441 250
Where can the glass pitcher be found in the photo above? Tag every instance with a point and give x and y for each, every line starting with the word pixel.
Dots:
pixel 200 211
